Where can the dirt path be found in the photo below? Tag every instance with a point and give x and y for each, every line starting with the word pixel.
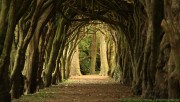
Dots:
pixel 90 88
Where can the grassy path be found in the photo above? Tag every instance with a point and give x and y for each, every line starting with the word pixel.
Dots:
pixel 89 88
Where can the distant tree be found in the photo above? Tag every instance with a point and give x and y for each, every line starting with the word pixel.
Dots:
pixel 93 54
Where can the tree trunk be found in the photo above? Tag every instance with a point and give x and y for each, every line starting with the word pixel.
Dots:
pixel 146 60
pixel 112 62
pixel 172 29
pixel 5 56
pixel 43 44
pixel 155 15
pixel 103 56
pixel 57 72
pixel 75 66
pixel 3 14
pixel 16 75
pixel 93 54
pixel 57 43
pixel 48 48
pixel 33 53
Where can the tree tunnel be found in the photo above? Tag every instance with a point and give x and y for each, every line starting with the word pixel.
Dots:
pixel 38 40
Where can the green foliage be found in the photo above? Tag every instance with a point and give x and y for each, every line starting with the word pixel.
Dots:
pixel 84 47
pixel 85 43
pixel 84 66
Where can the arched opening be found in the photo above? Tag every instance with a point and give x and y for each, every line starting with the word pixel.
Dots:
pixel 96 50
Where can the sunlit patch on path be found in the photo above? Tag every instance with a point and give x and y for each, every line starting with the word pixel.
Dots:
pixel 91 79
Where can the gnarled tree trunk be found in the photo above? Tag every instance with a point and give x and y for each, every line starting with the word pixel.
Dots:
pixel 5 55
pixel 172 29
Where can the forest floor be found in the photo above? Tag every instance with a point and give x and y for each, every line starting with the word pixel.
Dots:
pixel 88 88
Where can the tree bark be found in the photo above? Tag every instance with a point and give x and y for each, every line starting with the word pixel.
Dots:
pixel 3 14
pixel 154 11
pixel 47 37
pixel 5 56
pixel 172 29
pixel 93 54
pixel 112 63
pixel 75 65
pixel 59 39
pixel 33 53
pixel 103 56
